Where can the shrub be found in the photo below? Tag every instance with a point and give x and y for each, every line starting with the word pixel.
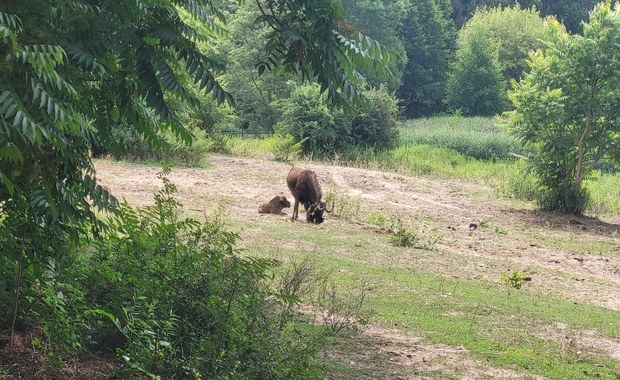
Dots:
pixel 172 297
pixel 305 115
pixel 377 125
pixel 286 148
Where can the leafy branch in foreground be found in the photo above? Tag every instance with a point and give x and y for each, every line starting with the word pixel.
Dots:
pixel 311 38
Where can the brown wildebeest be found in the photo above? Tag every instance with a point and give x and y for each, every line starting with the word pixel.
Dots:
pixel 306 189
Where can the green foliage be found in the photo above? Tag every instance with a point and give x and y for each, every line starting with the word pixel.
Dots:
pixel 492 38
pixel 344 207
pixel 567 109
pixel 522 185
pixel 476 137
pixel 428 34
pixel 286 148
pixel 514 279
pixel 377 218
pixel 475 84
pixel 376 126
pixel 515 31
pixel 572 13
pixel 135 147
pixel 305 115
pixel 381 20
pixel 403 236
pixel 254 94
pixel 327 131
pixel 171 297
pixel 298 26
pixel 73 72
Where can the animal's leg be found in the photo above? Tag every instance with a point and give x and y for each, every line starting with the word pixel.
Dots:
pixel 295 210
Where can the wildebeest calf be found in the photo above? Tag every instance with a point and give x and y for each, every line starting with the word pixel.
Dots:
pixel 274 206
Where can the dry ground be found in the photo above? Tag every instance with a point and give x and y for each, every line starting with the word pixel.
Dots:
pixel 575 258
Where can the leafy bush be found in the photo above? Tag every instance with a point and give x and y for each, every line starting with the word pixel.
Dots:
pixel 305 115
pixel 403 236
pixel 515 279
pixel 286 148
pixel 171 297
pixel 377 125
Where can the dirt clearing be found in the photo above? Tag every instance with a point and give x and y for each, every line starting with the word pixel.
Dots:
pixel 569 257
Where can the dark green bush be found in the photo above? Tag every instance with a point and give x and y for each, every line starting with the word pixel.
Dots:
pixel 305 115
pixel 377 126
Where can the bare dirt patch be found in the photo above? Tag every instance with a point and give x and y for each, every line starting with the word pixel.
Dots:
pixel 553 247
pixel 21 359
pixel 378 353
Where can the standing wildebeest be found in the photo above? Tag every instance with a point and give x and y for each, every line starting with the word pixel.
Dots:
pixel 306 190
pixel 274 206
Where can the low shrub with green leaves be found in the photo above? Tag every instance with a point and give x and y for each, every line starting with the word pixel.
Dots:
pixel 328 131
pixel 172 297
pixel 306 115
pixel 376 126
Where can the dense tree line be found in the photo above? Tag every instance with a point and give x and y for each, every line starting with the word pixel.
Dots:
pixel 426 34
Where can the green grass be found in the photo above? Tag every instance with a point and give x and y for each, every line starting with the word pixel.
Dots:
pixel 488 320
pixel 475 137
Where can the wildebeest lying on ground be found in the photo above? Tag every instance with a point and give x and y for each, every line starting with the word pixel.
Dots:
pixel 274 206
pixel 306 189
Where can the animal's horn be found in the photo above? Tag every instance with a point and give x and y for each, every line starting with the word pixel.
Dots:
pixel 320 205
pixel 333 203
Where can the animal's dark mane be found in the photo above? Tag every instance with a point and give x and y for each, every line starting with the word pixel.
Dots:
pixel 316 187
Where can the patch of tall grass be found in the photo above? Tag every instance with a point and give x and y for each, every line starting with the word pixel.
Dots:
pixel 478 137
pixel 604 191
pixel 255 147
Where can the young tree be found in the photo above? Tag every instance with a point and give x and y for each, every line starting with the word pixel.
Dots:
pixel 428 34
pixel 568 109
pixel 512 32
pixel 475 85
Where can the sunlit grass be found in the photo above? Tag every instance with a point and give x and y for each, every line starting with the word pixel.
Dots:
pixel 502 326
pixel 477 137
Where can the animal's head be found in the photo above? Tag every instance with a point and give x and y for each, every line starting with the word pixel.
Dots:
pixel 284 202
pixel 314 214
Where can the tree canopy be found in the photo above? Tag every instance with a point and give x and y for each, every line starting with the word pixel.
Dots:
pixel 429 37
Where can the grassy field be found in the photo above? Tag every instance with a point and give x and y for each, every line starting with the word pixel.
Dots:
pixel 524 295
pixel 503 326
